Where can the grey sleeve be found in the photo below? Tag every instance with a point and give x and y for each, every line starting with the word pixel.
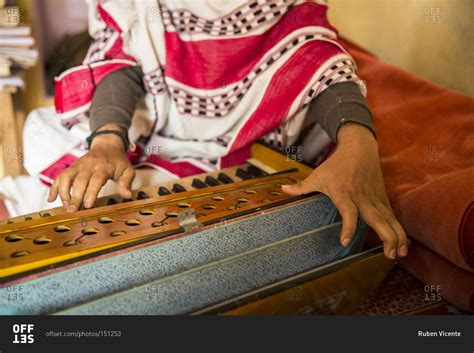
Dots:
pixel 116 97
pixel 339 104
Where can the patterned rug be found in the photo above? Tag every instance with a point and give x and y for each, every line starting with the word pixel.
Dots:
pixel 402 294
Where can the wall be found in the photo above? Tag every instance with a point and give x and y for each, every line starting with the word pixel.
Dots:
pixel 432 38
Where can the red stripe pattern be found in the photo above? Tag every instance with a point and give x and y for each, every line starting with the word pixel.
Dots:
pixel 50 173
pixel 226 61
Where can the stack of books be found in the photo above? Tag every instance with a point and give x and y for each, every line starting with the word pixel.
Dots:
pixel 17 46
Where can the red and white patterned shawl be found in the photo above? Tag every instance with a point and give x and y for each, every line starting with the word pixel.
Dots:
pixel 219 74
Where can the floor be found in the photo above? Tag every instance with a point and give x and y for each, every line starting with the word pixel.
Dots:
pixel 402 294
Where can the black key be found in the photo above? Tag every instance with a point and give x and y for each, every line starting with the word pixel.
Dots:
pixel 142 195
pixel 28 218
pixel 242 174
pixel 198 184
pixel 111 201
pixel 46 214
pixel 224 178
pixel 126 200
pixel 178 188
pixel 162 191
pixel 9 221
pixel 256 172
pixel 211 181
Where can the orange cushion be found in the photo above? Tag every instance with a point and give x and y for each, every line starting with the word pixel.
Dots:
pixel 427 156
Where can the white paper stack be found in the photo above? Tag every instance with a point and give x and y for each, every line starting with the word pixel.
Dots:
pixel 17 46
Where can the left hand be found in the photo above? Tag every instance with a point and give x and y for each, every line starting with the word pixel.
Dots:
pixel 353 180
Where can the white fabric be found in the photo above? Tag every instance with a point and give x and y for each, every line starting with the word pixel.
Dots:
pixel 25 194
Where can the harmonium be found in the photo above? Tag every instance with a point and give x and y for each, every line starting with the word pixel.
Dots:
pixel 227 242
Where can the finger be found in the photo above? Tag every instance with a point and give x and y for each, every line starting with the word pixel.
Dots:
pixel 404 242
pixel 384 200
pixel 53 191
pixel 78 190
pixel 348 211
pixel 379 224
pixel 300 188
pixel 95 184
pixel 125 182
pixel 64 185
pixel 396 226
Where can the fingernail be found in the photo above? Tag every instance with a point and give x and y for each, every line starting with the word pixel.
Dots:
pixel 403 251
pixel 345 242
pixel 88 203
pixel 392 254
pixel 71 208
pixel 285 186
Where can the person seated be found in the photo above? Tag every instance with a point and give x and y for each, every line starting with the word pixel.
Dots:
pixel 216 77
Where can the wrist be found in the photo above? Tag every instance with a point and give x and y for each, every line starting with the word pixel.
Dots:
pixel 108 141
pixel 355 133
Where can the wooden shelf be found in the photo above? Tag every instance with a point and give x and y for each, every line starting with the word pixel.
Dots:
pixel 11 156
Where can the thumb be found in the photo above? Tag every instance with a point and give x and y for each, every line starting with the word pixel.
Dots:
pixel 124 183
pixel 300 188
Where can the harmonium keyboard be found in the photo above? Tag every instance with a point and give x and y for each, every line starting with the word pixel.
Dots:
pixel 227 242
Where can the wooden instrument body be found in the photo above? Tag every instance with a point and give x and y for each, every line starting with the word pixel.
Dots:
pixel 148 256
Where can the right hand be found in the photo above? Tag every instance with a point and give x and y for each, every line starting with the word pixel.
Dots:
pixel 105 160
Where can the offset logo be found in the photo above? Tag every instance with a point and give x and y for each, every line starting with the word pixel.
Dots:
pixel 23 333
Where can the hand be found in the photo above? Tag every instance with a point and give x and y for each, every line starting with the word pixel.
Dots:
pixel 353 180
pixel 105 160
